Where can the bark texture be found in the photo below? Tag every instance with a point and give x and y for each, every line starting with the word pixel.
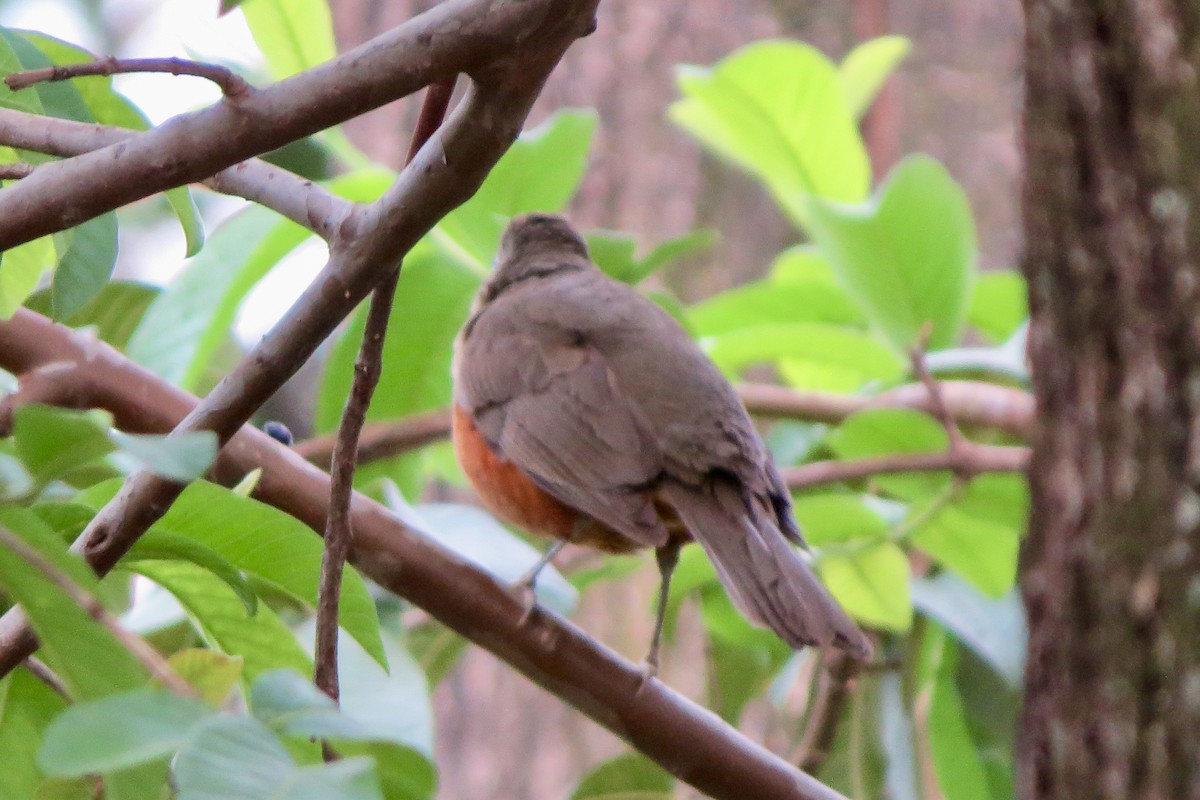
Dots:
pixel 1111 576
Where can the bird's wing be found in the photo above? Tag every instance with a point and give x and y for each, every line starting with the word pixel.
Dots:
pixel 557 412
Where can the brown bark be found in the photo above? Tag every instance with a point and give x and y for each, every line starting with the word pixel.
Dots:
pixel 1111 575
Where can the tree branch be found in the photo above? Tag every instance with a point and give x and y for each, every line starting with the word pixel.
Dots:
pixel 367 368
pixel 969 458
pixel 286 193
pixel 232 85
pixel 686 740
pixel 471 36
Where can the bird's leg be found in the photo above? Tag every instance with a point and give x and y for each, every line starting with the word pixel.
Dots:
pixel 667 557
pixel 527 583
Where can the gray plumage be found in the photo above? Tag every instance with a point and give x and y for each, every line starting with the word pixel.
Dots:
pixel 606 402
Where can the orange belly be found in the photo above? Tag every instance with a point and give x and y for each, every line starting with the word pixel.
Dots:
pixel 512 495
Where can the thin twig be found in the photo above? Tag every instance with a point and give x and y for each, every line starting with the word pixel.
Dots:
pixel 43 673
pixel 154 663
pixel 367 369
pixel 14 172
pixel 232 85
pixel 380 440
pixel 969 458
pixel 940 410
pixel 821 723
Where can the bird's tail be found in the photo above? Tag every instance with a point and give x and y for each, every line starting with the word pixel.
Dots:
pixel 767 580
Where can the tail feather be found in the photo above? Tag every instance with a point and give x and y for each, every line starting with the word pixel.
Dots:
pixel 766 579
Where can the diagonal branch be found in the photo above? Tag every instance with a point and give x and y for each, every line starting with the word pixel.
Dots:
pixel 688 741
pixel 471 36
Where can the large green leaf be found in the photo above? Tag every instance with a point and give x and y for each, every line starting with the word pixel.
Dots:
pixel 867 66
pixel 853 353
pixel 999 304
pixel 113 313
pixel 801 288
pixel 836 519
pixel 26 707
pixel 540 172
pixel 264 542
pixel 778 110
pixel 627 777
pixel 21 269
pixel 908 255
pixel 262 640
pixel 85 267
pixel 956 758
pixel 153 723
pixel 980 549
pixel 238 758
pixel 294 35
pixel 86 655
pixel 872 583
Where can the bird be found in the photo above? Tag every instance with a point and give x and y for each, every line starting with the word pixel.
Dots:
pixel 585 413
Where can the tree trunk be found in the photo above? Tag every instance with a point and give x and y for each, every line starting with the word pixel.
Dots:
pixel 1111 572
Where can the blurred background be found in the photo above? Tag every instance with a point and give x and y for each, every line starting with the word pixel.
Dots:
pixel 955 97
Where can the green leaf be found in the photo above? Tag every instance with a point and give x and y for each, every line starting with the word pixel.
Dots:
pixel 238 758
pixel 999 304
pixel 867 66
pixel 778 110
pixel 739 673
pixel 26 100
pixel 540 172
pixel 262 640
pixel 264 542
pixel 908 255
pixel 981 550
pixel 166 545
pixel 21 269
pixel 119 731
pixel 854 353
pixel 178 456
pixel 956 759
pixel 52 442
pixel 188 322
pixel 837 518
pixel 871 583
pixel 773 302
pixel 614 252
pixel 113 313
pixel 294 35
pixel 885 431
pixel 84 653
pixel 376 705
pixel 993 629
pixel 213 675
pixel 627 777
pixel 86 266
pixel 57 98
pixel 26 707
